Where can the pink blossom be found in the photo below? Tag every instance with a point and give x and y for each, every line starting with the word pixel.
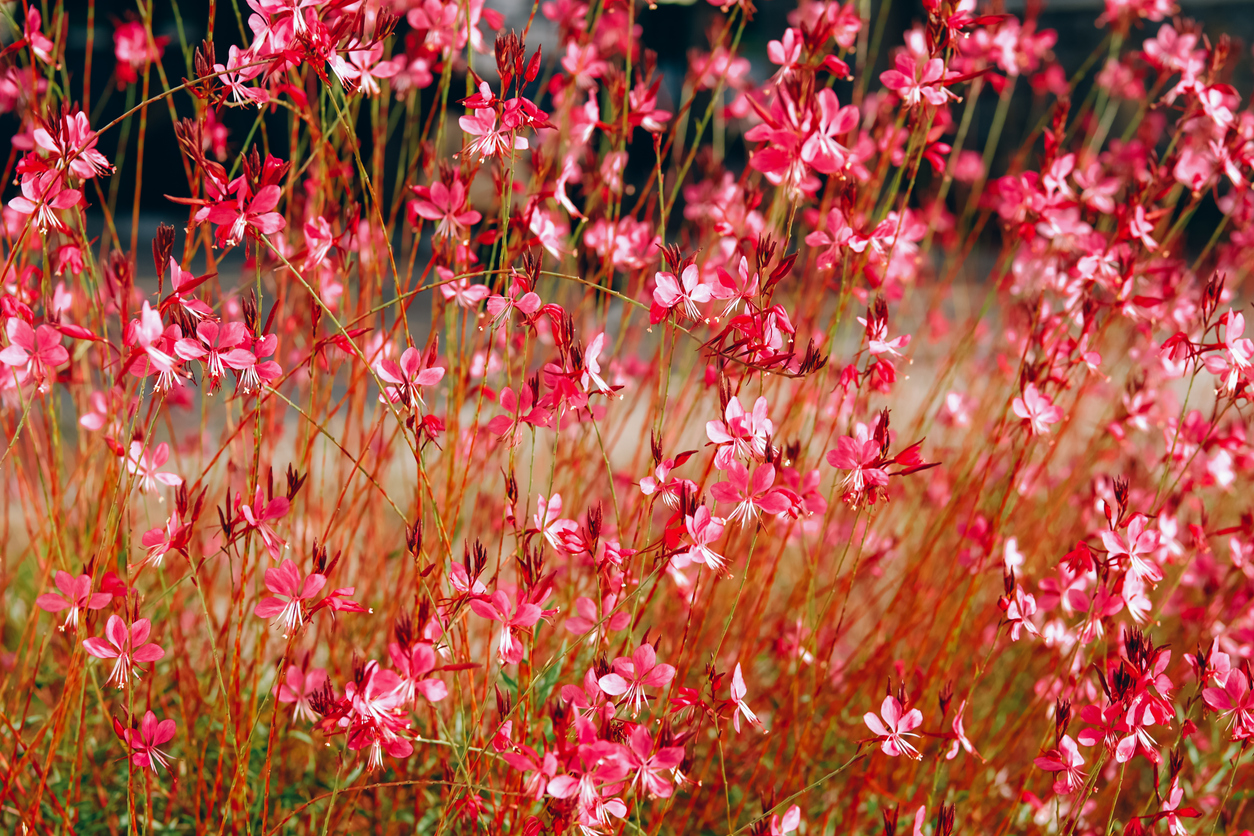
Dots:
pixel 895 727
pixel 128 647
pixel 76 595
pixel 631 675
pixel 1037 410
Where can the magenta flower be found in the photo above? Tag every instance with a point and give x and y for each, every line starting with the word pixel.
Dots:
pixel 144 742
pixel 238 216
pixel 751 494
pixel 497 607
pixel 650 768
pixel 632 675
pixel 128 647
pixel 36 351
pixel 1235 701
pixel 75 595
pixel 1065 760
pixel 895 728
pixel 412 665
pixel 291 590
pixel 297 687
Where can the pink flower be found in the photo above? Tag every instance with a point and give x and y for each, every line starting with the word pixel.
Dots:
pixel 489 141
pixel 144 742
pixel 1139 227
pixel 297 687
pixel 894 728
pixel 648 767
pixel 291 590
pixel 75 595
pixel 218 348
pixel 960 737
pixel 588 619
pixel 462 292
pixel 407 379
pixel 916 80
pixel 74 144
pixel 497 607
pixel 789 823
pixel 128 647
pixel 1236 701
pixel 1019 607
pixel 738 692
pixel 160 540
pixel 703 528
pixel 39 43
pixel 236 72
pixel 42 194
pixel 1037 409
pixel 1066 760
pixel 37 351
pixel 412 665
pixel 260 514
pixel 447 206
pixel 670 292
pixel 549 522
pixel 740 434
pixel 182 283
pixel 143 463
pixel 238 216
pixel 1138 545
pixel 632 675
pixel 134 51
pixel 821 150
pixel 751 494
pixel 861 456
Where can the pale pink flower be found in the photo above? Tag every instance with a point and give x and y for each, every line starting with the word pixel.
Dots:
pixel 895 727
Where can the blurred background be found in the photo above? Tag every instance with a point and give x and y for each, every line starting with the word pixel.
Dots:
pixel 672 30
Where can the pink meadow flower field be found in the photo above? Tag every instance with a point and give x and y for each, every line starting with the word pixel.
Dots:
pixel 842 427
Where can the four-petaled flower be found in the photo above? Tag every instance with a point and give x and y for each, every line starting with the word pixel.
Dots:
pixel 75 595
pixel 1065 760
pixel 407 379
pixel 895 727
pixel 631 675
pixel 144 741
pixel 685 291
pixel 497 607
pixel 128 647
pixel 1037 409
pixel 291 591
pixel 750 493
